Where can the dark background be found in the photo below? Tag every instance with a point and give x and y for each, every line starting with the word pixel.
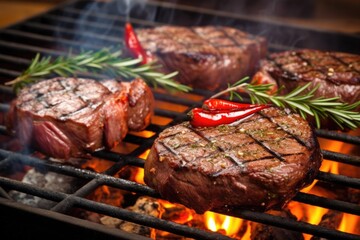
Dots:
pixel 329 15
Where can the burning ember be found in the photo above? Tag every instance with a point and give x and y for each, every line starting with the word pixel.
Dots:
pixel 214 222
pixel 210 221
pixel 227 225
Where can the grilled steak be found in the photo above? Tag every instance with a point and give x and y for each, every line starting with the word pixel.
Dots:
pixel 206 57
pixel 69 117
pixel 140 99
pixel 258 164
pixel 337 74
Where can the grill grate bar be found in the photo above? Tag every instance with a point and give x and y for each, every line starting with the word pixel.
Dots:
pixel 4 107
pixel 34 49
pixel 119 19
pixel 50 40
pixel 16 60
pixel 49 30
pixel 109 210
pixel 11 73
pixel 33 190
pixel 142 189
pixel 104 28
pixel 111 17
pixel 338 136
pixel 147 220
pixel 4 194
pixel 294 225
pixel 340 157
pixel 6 91
pixel 170 114
pixel 339 179
pixel 328 203
pixel 172 99
pixel 176 228
pixel 133 161
pixel 67 203
pixel 74 172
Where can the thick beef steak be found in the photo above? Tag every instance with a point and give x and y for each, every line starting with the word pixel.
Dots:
pixel 337 74
pixel 206 57
pixel 259 163
pixel 140 99
pixel 70 117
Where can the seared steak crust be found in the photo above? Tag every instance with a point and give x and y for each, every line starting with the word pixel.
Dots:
pixel 141 101
pixel 337 74
pixel 206 57
pixel 260 163
pixel 69 117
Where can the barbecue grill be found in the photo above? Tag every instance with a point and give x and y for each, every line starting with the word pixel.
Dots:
pixel 95 24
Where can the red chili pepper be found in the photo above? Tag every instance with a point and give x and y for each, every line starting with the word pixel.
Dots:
pixel 213 104
pixel 204 118
pixel 134 45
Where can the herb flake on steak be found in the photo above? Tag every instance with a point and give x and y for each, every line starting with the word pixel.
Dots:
pixel 258 164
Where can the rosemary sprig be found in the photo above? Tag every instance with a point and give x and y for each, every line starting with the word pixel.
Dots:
pixel 304 103
pixel 102 61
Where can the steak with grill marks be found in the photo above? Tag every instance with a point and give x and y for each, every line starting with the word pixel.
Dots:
pixel 140 99
pixel 257 164
pixel 337 74
pixel 206 57
pixel 70 117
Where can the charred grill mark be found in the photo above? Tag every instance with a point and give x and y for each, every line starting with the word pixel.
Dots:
pixel 218 173
pixel 344 63
pixel 61 83
pixel 285 73
pixel 229 37
pixel 205 40
pixel 179 40
pixel 234 159
pixel 321 68
pixel 306 61
pixel 307 145
pixel 325 73
pixel 82 108
pixel 170 149
pixel 277 155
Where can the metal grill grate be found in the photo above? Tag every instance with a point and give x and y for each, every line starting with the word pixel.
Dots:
pixel 93 25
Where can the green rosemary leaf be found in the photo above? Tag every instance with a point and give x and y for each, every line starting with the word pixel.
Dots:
pixel 238 96
pixel 301 100
pixel 127 63
pixel 276 102
pixel 35 61
pixel 241 81
pixel 297 91
pixel 170 75
pixel 317 119
pixel 102 61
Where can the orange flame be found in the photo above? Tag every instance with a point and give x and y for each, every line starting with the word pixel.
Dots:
pixel 350 223
pixel 247 234
pixel 218 223
pixel 313 214
pixel 139 176
pixel 177 213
